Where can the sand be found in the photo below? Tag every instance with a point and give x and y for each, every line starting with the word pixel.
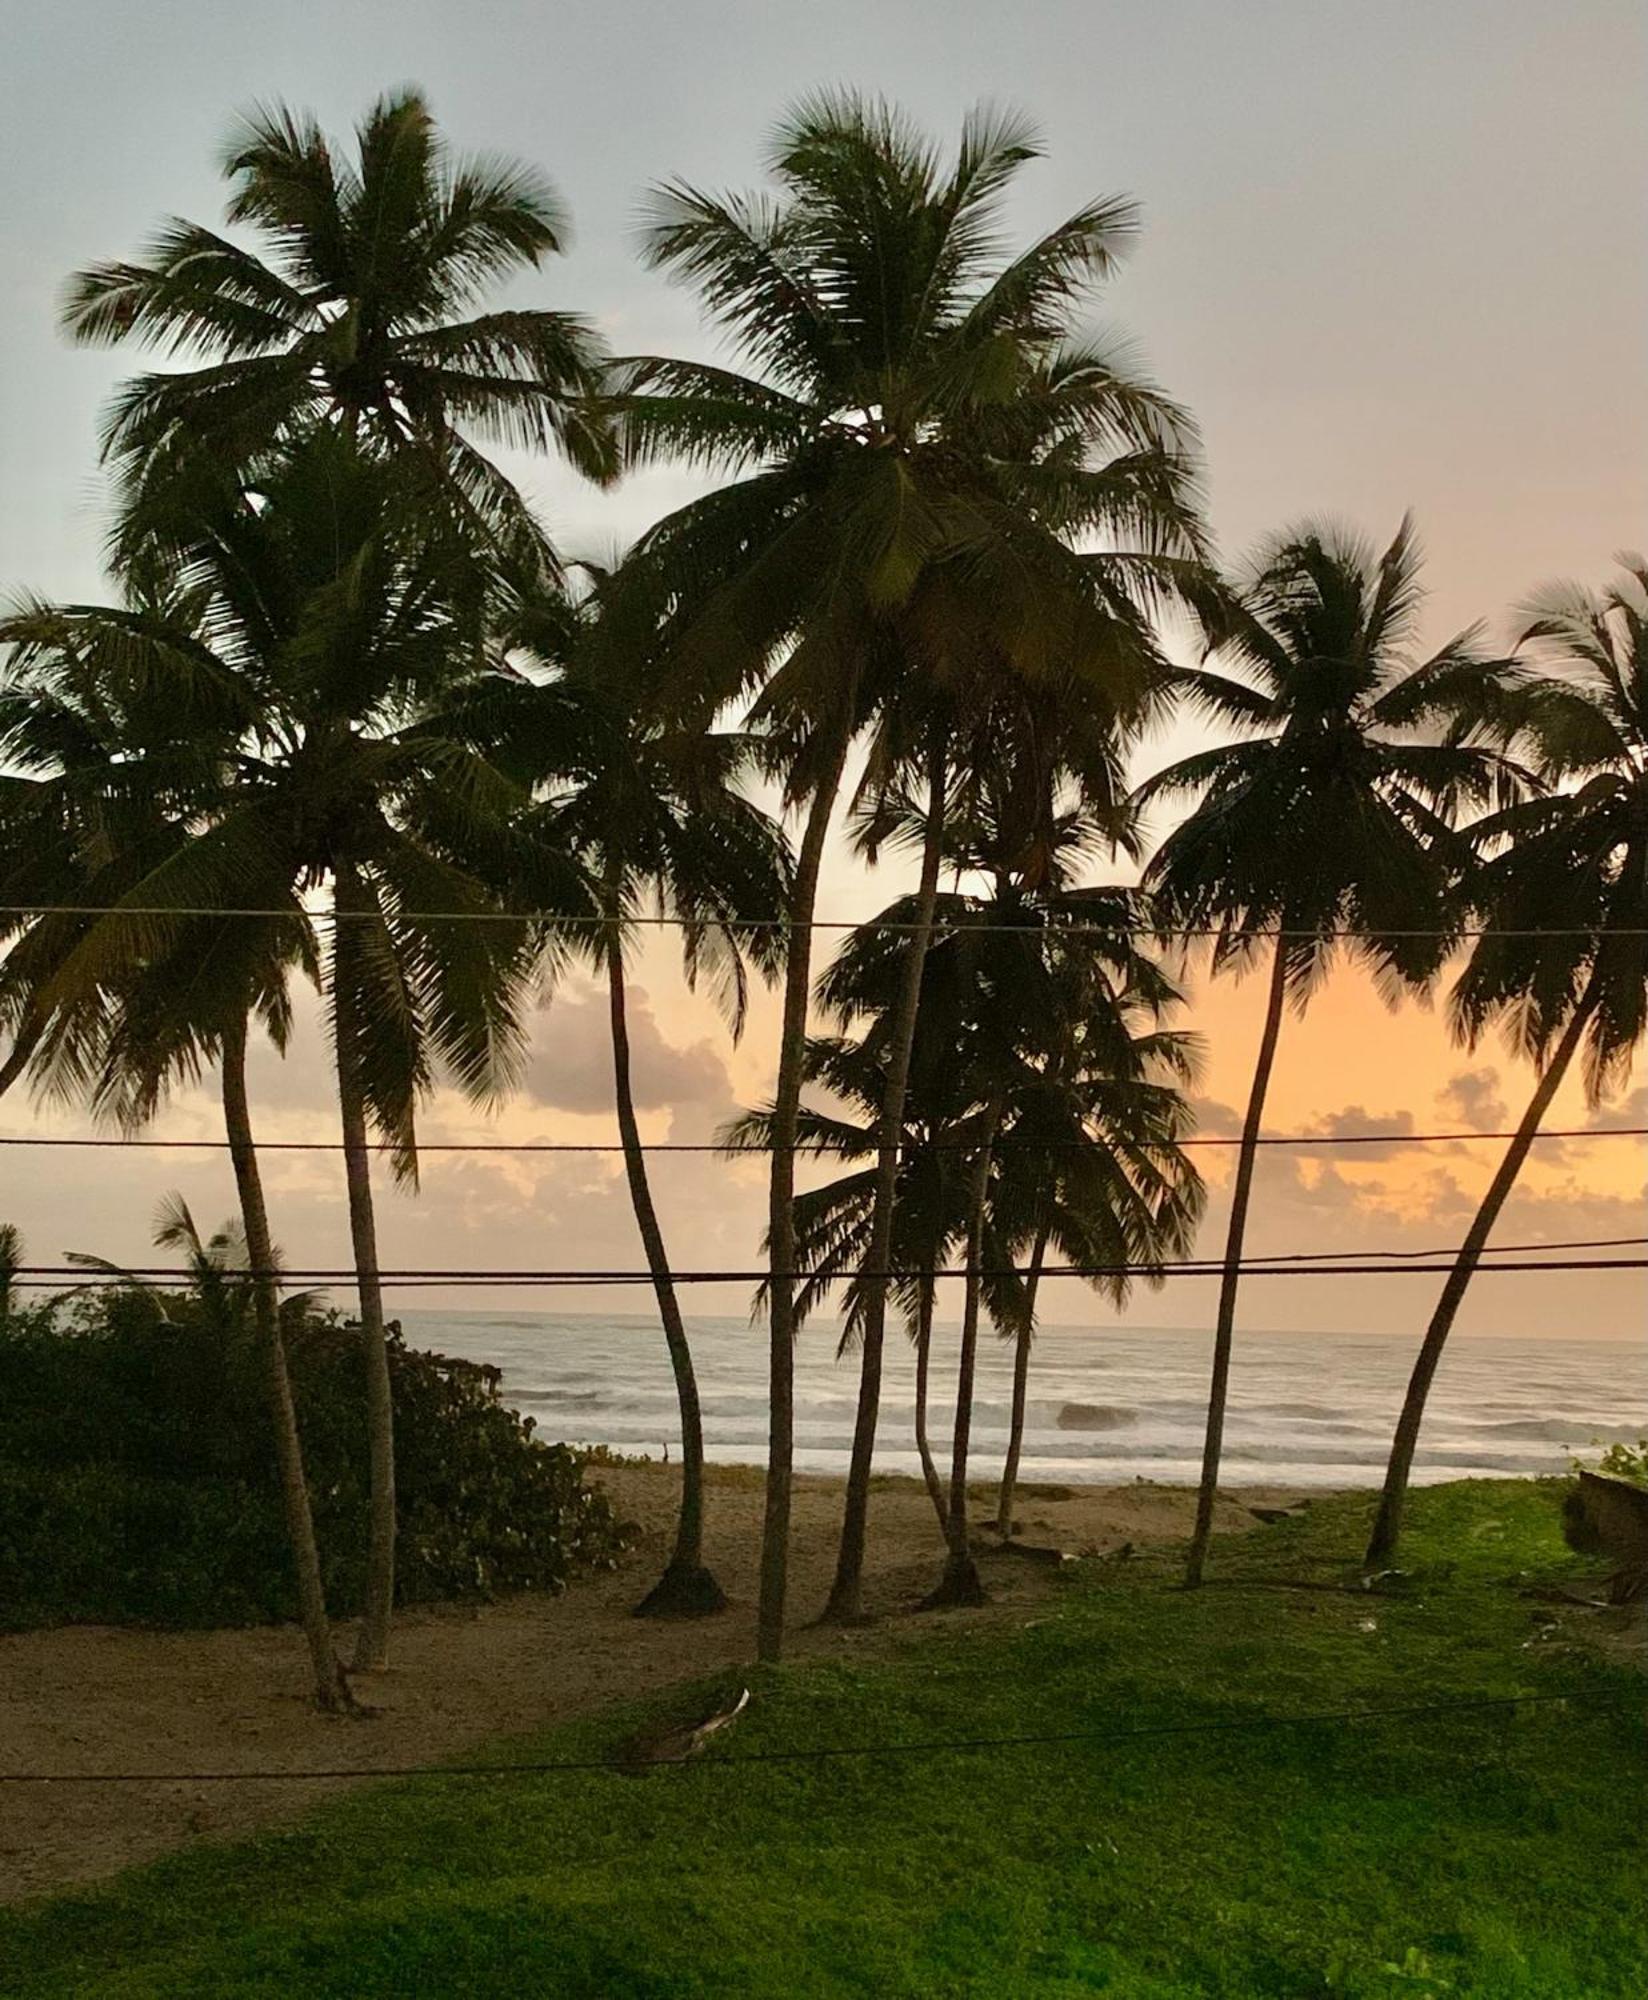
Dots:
pixel 111 1699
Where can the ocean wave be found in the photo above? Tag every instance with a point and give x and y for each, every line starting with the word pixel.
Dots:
pixel 1311 1411
pixel 1094 1417
pixel 1357 1466
pixel 1571 1432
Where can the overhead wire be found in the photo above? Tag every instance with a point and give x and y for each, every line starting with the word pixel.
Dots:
pixel 830 1752
pixel 1304 1141
pixel 1284 1265
pixel 656 919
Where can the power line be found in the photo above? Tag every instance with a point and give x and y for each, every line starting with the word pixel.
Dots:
pixel 671 921
pixel 829 1752
pixel 813 1148
pixel 1452 1250
pixel 1287 1265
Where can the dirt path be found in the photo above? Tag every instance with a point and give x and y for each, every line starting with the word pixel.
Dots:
pixel 96 1697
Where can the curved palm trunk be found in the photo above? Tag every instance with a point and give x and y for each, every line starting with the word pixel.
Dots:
pixel 1021 1383
pixel 686 1589
pixel 1387 1525
pixel 331 1688
pixel 924 1358
pixel 960 1583
pixel 781 1253
pixel 372 1641
pixel 845 1604
pixel 1225 1327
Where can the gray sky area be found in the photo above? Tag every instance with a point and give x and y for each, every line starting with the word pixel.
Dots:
pixel 1393 256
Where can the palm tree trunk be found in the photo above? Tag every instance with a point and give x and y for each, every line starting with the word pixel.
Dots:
pixel 960 1583
pixel 372 1641
pixel 781 1252
pixel 924 1357
pixel 1387 1525
pixel 1021 1382
pixel 846 1601
pixel 331 1688
pixel 1225 1327
pixel 686 1589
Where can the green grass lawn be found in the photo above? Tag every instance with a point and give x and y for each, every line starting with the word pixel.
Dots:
pixel 1493 1853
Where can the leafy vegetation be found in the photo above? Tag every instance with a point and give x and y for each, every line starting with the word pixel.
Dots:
pixel 1479 1854
pixel 351 719
pixel 138 1481
pixel 1623 1461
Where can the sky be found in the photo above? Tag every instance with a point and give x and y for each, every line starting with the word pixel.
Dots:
pixel 1392 258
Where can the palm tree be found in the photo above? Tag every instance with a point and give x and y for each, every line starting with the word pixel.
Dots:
pixel 1023 779
pixel 1562 897
pixel 117 730
pixel 1089 1164
pixel 648 812
pixel 347 610
pixel 99 769
pixel 1327 826
pixel 215 1268
pixel 1088 1159
pixel 11 1258
pixel 1040 1010
pixel 834 1222
pixel 915 450
pixel 360 307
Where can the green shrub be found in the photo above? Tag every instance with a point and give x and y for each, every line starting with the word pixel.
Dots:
pixel 1621 1461
pixel 138 1479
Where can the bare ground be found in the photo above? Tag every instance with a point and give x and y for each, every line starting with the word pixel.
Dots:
pixel 100 1698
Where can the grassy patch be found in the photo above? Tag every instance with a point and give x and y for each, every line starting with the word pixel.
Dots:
pixel 1483 1853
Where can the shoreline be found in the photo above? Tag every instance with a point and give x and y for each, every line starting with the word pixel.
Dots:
pixel 113 1698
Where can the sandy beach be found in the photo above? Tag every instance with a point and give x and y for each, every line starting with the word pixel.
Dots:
pixel 100 1698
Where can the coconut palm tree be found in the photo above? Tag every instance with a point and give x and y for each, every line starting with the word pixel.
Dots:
pixel 359 306
pixel 1060 1104
pixel 11 1258
pixel 118 731
pixel 1089 1164
pixel 100 766
pixel 642 812
pixel 1023 779
pixel 347 610
pixel 1088 1159
pixel 1561 893
pixel 834 1223
pixel 1326 827
pixel 915 449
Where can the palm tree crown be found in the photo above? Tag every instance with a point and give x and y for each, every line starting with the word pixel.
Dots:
pixel 1568 870
pixel 362 307
pixel 921 428
pixel 1330 816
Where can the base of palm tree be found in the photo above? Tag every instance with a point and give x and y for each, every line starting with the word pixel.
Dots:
pixel 960 1585
pixel 337 1697
pixel 685 1590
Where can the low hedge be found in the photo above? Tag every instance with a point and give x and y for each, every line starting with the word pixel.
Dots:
pixel 138 1480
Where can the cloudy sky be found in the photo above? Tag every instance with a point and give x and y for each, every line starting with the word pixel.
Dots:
pixel 1392 257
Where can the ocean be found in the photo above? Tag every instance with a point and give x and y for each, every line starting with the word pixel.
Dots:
pixel 1107 1405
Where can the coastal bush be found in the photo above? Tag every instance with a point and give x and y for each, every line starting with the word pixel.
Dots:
pixel 138 1484
pixel 1625 1461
